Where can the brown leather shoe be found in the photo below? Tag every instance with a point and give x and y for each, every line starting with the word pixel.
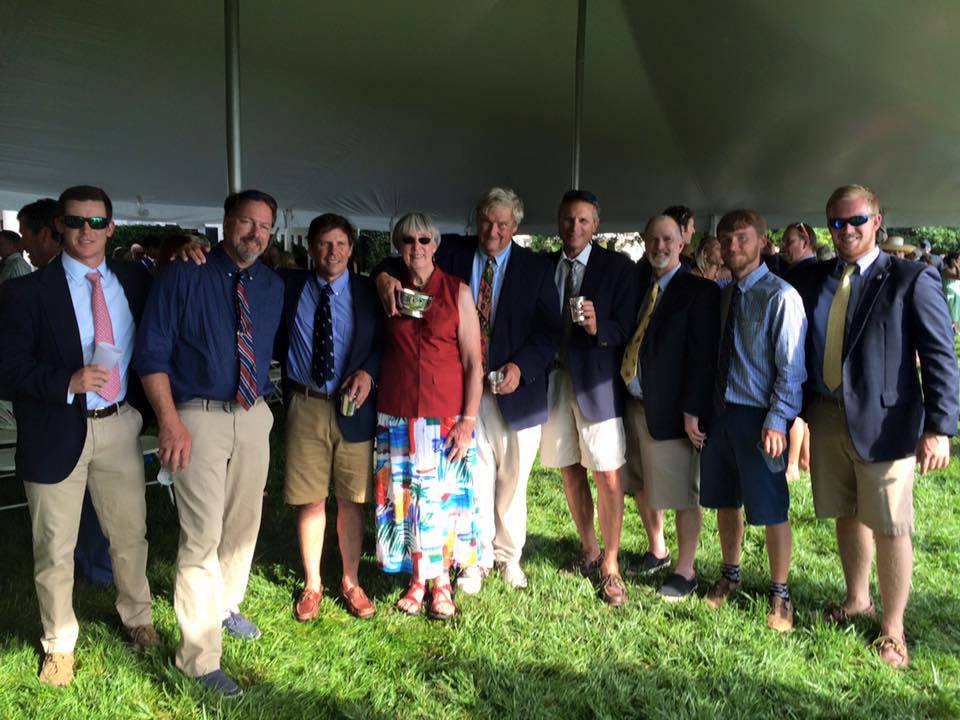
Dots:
pixel 721 591
pixel 357 602
pixel 308 605
pixel 892 651
pixel 612 590
pixel 141 636
pixel 780 614
pixel 57 669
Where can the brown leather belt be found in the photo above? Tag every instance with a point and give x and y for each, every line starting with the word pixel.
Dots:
pixel 309 392
pixel 104 412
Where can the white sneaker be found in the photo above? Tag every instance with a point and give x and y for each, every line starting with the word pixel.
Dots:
pixel 470 579
pixel 512 575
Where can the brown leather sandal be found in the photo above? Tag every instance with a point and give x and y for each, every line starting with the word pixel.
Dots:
pixel 413 598
pixel 893 651
pixel 836 614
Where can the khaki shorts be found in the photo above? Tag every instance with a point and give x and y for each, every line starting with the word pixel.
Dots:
pixel 568 438
pixel 666 471
pixel 317 454
pixel 878 494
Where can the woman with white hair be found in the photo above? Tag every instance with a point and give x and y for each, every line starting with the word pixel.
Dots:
pixel 427 402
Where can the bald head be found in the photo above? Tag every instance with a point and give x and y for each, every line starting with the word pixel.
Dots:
pixel 664 243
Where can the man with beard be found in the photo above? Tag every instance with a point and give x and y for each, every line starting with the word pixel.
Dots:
pixel 756 394
pixel 204 350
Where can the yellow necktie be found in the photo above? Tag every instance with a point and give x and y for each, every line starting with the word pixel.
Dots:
pixel 628 368
pixel 836 326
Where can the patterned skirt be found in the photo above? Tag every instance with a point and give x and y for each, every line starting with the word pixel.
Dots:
pixel 426 515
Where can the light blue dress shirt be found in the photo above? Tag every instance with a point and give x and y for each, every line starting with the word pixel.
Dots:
pixel 300 355
pixel 767 368
pixel 635 388
pixel 499 270
pixel 124 330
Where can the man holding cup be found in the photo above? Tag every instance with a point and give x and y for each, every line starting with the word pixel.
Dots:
pixel 517 304
pixel 330 344
pixel 584 430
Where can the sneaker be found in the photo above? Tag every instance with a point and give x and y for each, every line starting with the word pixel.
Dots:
pixel 219 682
pixel 142 636
pixel 470 579
pixel 512 574
pixel 780 614
pixel 677 587
pixel 721 591
pixel 581 566
pixel 57 669
pixel 240 627
pixel 649 564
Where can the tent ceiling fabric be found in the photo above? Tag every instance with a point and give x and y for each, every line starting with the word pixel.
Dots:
pixel 375 108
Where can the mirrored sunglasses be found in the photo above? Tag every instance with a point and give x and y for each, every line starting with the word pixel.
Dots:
pixel 840 223
pixel 75 222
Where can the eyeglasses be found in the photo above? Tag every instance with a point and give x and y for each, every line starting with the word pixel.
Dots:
pixel 409 240
pixel 840 223
pixel 75 222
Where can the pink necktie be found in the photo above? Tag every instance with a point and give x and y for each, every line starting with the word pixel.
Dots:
pixel 103 333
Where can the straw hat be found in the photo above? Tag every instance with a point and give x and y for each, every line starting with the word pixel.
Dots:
pixel 895 243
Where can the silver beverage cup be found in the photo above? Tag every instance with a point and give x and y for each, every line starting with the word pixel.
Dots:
pixel 495 377
pixel 413 303
pixel 576 308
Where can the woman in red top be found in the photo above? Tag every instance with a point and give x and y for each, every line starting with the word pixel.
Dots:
pixel 430 385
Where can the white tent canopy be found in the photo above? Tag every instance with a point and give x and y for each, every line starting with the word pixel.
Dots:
pixel 371 109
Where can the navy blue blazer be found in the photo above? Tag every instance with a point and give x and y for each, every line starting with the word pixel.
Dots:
pixel 901 313
pixel 526 328
pixel 40 342
pixel 678 357
pixel 610 281
pixel 365 351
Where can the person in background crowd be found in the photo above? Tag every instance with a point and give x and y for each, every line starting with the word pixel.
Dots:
pixel 710 263
pixel 428 399
pixel 668 368
pixel 872 416
pixel 798 245
pixel 927 255
pixel 951 287
pixel 686 219
pixel 52 324
pixel 204 350
pixel 122 254
pixel 12 264
pixel 584 428
pixel 898 248
pixel 38 231
pixel 330 344
pixel 757 393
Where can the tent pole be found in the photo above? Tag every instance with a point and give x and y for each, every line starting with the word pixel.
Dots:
pixel 231 21
pixel 578 91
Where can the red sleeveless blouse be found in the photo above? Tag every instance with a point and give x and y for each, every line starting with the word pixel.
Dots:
pixel 421 374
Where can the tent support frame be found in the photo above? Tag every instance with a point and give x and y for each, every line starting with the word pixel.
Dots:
pixel 231 23
pixel 578 92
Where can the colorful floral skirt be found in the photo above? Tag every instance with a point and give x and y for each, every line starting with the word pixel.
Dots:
pixel 426 515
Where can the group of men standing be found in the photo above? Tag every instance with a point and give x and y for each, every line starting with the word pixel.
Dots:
pixel 648 377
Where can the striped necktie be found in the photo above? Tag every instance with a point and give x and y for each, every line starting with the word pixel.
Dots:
pixel 836 329
pixel 247 386
pixel 628 369
pixel 103 333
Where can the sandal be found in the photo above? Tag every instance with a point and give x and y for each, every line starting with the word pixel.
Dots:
pixel 413 599
pixel 892 651
pixel 836 614
pixel 441 596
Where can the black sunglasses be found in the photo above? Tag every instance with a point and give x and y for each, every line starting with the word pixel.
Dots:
pixel 409 240
pixel 840 223
pixel 75 222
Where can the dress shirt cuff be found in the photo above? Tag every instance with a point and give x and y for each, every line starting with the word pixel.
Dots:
pixel 149 366
pixel 775 422
pixel 70 397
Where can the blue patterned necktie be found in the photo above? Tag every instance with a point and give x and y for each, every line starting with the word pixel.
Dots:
pixel 726 352
pixel 322 361
pixel 247 387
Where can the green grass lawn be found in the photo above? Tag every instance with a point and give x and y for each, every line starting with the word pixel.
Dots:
pixel 553 651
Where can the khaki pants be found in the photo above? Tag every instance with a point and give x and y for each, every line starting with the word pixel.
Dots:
pixel 504 460
pixel 219 499
pixel 111 465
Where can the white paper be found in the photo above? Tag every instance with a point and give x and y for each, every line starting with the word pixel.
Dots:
pixel 106 355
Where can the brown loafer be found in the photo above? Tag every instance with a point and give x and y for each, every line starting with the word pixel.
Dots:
pixel 721 591
pixel 57 669
pixel 780 614
pixel 357 602
pixel 612 590
pixel 142 636
pixel 837 614
pixel 892 651
pixel 308 605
